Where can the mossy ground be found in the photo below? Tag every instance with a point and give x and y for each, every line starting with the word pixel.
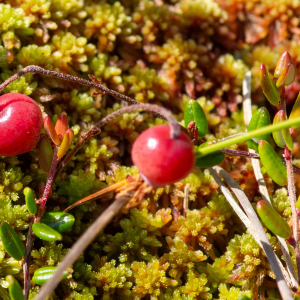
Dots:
pixel 163 52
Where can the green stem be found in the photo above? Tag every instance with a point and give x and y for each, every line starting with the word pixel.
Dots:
pixel 247 136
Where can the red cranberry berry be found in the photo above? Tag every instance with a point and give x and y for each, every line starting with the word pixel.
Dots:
pixel 20 124
pixel 160 159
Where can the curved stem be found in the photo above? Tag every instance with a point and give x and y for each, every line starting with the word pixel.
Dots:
pixel 175 127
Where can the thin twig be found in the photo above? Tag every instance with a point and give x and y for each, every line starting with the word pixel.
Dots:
pixel 259 232
pixel 291 190
pixel 260 179
pixel 81 244
pixel 292 196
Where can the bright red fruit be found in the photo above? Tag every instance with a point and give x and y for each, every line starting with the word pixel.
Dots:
pixel 160 159
pixel 20 124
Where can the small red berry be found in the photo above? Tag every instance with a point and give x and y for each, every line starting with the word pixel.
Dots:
pixel 20 124
pixel 160 159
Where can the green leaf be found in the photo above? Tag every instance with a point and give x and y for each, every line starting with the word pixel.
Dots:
pixel 30 200
pixel 273 220
pixel 12 242
pixel 58 220
pixel 14 288
pixel 194 112
pixel 282 137
pixel 42 275
pixel 268 86
pixel 259 119
pixel 46 233
pixel 272 163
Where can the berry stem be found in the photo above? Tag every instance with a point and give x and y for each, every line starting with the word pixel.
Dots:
pixel 50 179
pixel 164 113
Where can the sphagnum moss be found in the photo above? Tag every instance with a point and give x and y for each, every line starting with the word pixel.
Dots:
pixel 164 52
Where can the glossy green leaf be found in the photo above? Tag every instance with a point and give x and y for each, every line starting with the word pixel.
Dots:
pixel 272 163
pixel 295 111
pixel 46 233
pixel 15 290
pixel 194 112
pixel 11 241
pixel 282 137
pixel 259 119
pixel 30 200
pixel 298 203
pixel 268 86
pixel 42 275
pixel 273 220
pixel 58 220
pixel 45 154
pixel 277 135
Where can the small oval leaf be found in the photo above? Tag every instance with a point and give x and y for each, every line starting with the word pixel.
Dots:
pixel 30 200
pixel 42 275
pixel 14 288
pixel 49 128
pixel 46 233
pixel 12 242
pixel 287 77
pixel 277 135
pixel 259 119
pixel 282 62
pixel 273 220
pixel 58 220
pixel 268 86
pixel 194 112
pixel 45 154
pixel 272 163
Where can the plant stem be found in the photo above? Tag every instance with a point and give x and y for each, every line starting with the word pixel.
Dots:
pixel 82 243
pixel 292 196
pixel 166 114
pixel 50 178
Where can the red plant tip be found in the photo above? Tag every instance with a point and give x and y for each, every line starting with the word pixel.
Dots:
pixel 160 159
pixel 66 143
pixel 50 130
pixel 282 63
pixel 61 125
pixel 20 124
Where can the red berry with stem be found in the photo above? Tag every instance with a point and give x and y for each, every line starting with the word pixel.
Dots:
pixel 160 159
pixel 20 124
